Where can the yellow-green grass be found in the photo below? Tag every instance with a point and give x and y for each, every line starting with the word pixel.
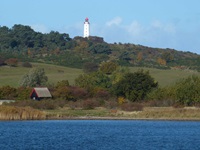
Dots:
pixel 164 113
pixel 167 77
pixel 20 113
pixel 12 75
pixel 66 112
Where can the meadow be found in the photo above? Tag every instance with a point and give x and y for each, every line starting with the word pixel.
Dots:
pixel 12 75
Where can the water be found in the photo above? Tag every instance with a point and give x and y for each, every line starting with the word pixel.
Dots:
pixel 99 135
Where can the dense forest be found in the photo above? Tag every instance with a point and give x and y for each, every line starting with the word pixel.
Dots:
pixel 22 44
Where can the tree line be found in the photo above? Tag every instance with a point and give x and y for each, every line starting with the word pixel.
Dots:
pixel 107 84
pixel 24 44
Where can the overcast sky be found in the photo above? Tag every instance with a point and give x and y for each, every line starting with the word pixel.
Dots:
pixel 154 23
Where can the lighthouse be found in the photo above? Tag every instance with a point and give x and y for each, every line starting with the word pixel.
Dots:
pixel 86 32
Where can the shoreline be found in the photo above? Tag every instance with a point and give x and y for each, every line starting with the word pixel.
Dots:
pixel 105 118
pixel 148 113
pixel 122 118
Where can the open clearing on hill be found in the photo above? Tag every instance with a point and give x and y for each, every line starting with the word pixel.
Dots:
pixel 12 75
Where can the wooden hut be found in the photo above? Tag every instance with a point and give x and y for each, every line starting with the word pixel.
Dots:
pixel 39 93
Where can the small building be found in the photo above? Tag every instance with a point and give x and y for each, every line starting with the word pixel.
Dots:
pixel 39 93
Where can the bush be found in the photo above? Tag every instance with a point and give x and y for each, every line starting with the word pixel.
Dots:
pixel 8 92
pixel 111 104
pixel 187 90
pixel 42 105
pixel 90 67
pixel 89 104
pixel 135 86
pixel 78 93
pixel 23 93
pixel 121 100
pixel 162 97
pixel 63 93
pixel 12 62
pixel 75 104
pixel 102 94
pixel 26 64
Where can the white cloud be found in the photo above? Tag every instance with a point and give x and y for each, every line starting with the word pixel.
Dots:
pixel 114 21
pixel 154 34
pixel 134 29
pixel 168 28
pixel 40 28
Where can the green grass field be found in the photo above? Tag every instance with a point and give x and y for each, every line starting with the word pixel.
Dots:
pixel 12 75
pixel 167 77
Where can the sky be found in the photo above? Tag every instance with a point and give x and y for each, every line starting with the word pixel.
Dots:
pixel 154 23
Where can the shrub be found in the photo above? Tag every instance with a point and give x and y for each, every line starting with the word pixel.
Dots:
pixel 135 86
pixel 90 67
pixel 12 62
pixel 26 64
pixel 111 104
pixel 187 90
pixel 162 97
pixel 8 92
pixel 78 93
pixel 89 104
pixel 74 104
pixel 23 93
pixel 102 94
pixel 63 93
pixel 42 105
pixel 121 100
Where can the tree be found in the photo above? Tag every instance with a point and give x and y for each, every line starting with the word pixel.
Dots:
pixel 90 67
pixel 135 86
pixel 63 92
pixel 35 77
pixel 62 83
pixel 100 48
pixel 108 67
pixel 161 61
pixel 93 80
pixel 167 56
pixel 187 90
pixel 118 74
pixel 139 56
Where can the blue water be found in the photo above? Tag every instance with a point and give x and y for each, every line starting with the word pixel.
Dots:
pixel 99 135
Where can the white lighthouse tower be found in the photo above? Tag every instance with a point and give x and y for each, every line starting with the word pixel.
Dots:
pixel 86 32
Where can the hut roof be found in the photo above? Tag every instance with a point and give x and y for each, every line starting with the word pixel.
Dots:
pixel 41 92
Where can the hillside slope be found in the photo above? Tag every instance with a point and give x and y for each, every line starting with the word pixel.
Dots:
pixel 25 44
pixel 12 75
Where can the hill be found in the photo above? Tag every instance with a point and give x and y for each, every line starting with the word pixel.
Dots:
pixel 12 75
pixel 26 45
